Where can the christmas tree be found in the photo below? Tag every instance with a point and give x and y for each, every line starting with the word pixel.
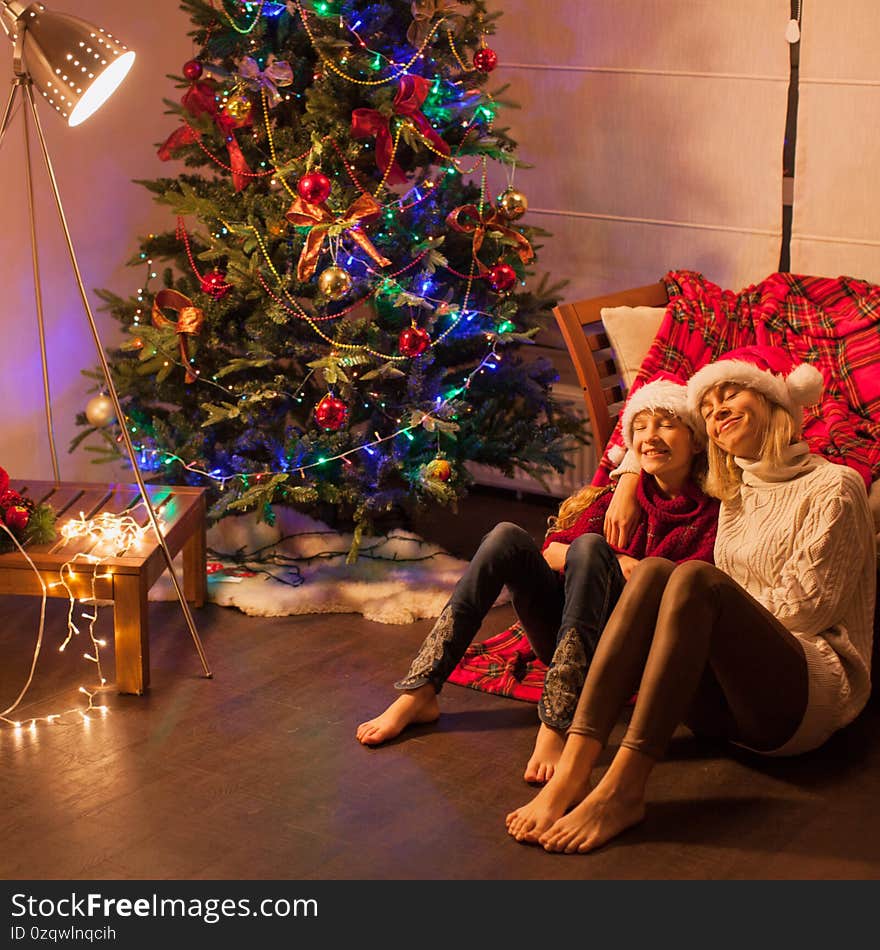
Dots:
pixel 338 318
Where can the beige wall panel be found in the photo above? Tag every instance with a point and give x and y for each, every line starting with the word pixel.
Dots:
pixel 840 39
pixel 699 35
pixel 706 151
pixel 836 215
pixel 599 257
pixel 833 259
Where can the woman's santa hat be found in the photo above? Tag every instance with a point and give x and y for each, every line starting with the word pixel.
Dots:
pixel 665 393
pixel 765 369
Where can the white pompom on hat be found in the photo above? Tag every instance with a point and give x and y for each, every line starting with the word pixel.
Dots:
pixel 662 392
pixel 765 369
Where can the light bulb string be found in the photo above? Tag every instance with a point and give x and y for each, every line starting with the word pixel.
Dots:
pixel 464 66
pixel 359 346
pixel 302 469
pixel 292 306
pixel 244 31
pixel 124 530
pixel 297 311
pixel 271 140
pixel 42 626
pixel 401 69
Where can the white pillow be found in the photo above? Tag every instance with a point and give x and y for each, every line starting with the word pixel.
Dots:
pixel 631 331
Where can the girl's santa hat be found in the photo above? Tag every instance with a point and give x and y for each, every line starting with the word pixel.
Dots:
pixel 767 370
pixel 663 392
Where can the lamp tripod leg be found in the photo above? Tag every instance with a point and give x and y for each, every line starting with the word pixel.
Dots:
pixel 38 293
pixel 114 396
pixel 7 115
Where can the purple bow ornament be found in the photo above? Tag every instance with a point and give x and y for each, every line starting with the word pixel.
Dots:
pixel 277 73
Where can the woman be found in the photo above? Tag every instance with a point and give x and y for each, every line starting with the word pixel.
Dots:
pixel 770 648
pixel 564 593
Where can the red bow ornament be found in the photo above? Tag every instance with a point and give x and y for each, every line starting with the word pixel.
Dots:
pixel 411 94
pixel 320 220
pixel 469 220
pixel 199 100
pixel 190 320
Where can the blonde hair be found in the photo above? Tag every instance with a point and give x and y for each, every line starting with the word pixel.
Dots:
pixel 724 477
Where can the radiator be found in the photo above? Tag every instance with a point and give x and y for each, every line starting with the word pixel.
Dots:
pixel 558 485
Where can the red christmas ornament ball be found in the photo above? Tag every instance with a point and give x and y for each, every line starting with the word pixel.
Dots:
pixel 331 413
pixel 413 341
pixel 314 187
pixel 192 69
pixel 17 517
pixel 485 59
pixel 214 284
pixel 501 277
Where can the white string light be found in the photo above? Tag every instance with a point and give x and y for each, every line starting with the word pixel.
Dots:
pixel 114 536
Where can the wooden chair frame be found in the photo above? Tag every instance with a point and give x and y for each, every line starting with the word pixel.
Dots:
pixel 590 350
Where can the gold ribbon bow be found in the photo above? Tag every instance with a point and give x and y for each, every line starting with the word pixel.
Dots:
pixel 469 220
pixel 321 219
pixel 277 73
pixel 189 321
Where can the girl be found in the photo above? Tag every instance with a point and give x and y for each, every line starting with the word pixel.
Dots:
pixel 770 649
pixel 564 592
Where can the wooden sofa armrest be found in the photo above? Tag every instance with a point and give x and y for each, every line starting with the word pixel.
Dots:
pixel 581 326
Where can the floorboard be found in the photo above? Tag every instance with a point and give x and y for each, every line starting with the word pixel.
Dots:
pixel 256 775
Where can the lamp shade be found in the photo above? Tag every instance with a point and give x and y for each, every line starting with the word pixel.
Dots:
pixel 75 65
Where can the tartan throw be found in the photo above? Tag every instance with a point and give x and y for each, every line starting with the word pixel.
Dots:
pixel 504 665
pixel 833 323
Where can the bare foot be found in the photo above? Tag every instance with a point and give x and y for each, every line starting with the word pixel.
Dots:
pixel 596 820
pixel 548 747
pixel 413 707
pixel 530 821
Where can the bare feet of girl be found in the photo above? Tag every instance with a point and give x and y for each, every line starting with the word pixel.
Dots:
pixel 413 707
pixel 548 747
pixel 530 821
pixel 597 819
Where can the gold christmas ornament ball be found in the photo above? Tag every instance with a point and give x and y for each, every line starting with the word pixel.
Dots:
pixel 438 468
pixel 238 106
pixel 334 282
pixel 512 203
pixel 100 411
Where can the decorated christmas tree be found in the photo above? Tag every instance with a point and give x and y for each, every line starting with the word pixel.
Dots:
pixel 337 318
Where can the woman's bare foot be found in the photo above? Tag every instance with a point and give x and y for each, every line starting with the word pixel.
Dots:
pixel 596 820
pixel 413 707
pixel 548 747
pixel 530 821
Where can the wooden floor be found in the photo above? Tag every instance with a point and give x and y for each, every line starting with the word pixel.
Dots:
pixel 256 774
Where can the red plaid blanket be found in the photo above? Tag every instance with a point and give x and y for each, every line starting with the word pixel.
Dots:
pixel 503 664
pixel 833 323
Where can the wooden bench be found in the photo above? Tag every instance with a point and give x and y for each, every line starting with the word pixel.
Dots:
pixel 180 510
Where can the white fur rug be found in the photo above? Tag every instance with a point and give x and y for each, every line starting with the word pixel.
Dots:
pixel 396 579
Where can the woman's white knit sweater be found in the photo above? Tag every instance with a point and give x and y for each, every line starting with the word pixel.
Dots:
pixel 800 540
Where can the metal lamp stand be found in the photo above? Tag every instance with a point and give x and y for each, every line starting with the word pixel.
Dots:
pixel 23 85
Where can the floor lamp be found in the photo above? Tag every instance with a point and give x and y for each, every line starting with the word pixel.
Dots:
pixel 76 67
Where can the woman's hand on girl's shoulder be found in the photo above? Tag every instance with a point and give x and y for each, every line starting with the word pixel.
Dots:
pixel 622 515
